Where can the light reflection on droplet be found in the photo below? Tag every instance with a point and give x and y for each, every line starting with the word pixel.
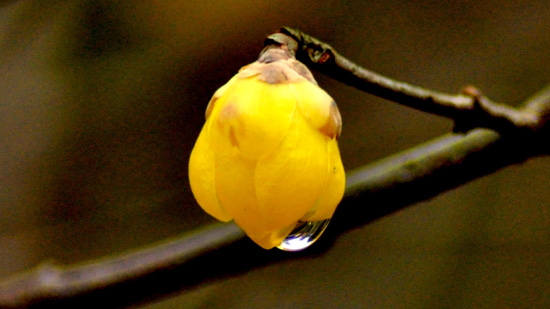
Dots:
pixel 304 235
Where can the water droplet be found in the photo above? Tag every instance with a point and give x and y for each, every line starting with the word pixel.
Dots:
pixel 304 235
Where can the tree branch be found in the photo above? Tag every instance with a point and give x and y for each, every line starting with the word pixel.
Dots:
pixel 221 251
pixel 470 104
pixel 385 186
pixel 50 281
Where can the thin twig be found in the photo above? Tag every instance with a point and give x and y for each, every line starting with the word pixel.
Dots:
pixel 470 104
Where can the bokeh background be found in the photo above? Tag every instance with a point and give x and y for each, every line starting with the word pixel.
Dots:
pixel 100 103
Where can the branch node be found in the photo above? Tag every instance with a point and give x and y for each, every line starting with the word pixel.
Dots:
pixel 472 91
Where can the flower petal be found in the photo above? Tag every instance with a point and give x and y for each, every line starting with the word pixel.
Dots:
pixel 252 117
pixel 202 177
pixel 218 94
pixel 318 108
pixel 334 188
pixel 236 192
pixel 290 179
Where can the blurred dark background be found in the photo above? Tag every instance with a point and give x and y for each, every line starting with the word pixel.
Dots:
pixel 101 101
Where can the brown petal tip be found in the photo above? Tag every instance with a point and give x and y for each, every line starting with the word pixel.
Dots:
pixel 333 127
pixel 210 106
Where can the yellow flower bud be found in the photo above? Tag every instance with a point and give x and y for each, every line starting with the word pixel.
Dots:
pixel 267 156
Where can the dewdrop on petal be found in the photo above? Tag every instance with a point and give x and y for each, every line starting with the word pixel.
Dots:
pixel 267 156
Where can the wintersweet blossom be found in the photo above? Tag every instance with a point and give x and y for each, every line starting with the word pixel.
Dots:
pixel 267 156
